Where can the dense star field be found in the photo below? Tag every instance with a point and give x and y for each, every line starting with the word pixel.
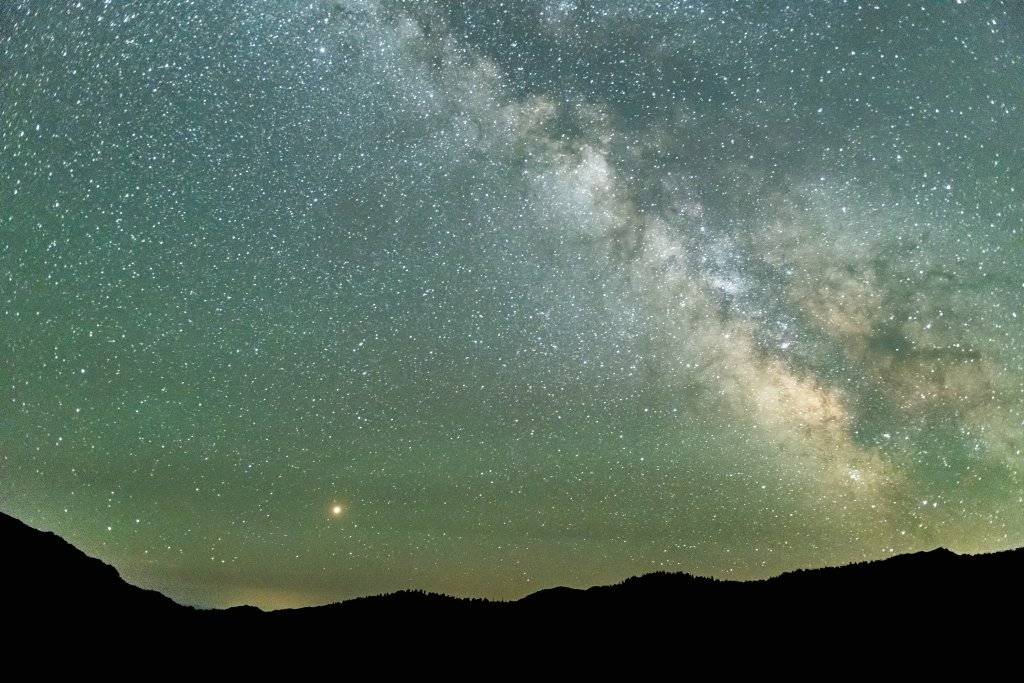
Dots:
pixel 307 300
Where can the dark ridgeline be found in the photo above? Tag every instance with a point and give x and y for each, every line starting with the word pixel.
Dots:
pixel 49 584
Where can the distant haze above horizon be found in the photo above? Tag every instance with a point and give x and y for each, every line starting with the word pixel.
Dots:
pixel 301 301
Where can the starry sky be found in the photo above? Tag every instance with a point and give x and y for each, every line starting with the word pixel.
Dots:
pixel 306 300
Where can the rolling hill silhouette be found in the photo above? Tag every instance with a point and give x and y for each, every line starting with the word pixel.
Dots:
pixel 47 581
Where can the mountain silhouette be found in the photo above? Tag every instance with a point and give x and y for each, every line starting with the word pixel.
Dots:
pixel 48 581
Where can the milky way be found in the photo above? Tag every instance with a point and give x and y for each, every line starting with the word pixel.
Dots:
pixel 307 300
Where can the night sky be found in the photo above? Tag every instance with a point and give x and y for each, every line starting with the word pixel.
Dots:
pixel 301 301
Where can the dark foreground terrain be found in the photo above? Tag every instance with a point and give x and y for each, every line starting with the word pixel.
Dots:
pixel 49 588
